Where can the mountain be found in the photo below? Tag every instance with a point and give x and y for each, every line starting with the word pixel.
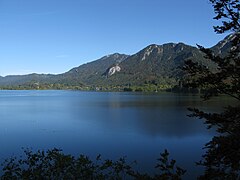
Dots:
pixel 161 64
pixel 155 64
pixel 81 75
pixel 222 47
pixel 15 80
pixel 91 73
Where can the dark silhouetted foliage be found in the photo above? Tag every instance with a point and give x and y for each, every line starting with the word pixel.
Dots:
pixel 222 158
pixel 228 12
pixel 53 164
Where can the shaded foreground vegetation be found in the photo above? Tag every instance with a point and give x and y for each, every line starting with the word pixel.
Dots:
pixel 53 164
pixel 222 158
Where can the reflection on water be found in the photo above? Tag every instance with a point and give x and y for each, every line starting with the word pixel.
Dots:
pixel 139 126
pixel 162 115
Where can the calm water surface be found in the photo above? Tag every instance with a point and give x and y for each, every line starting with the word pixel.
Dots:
pixel 138 126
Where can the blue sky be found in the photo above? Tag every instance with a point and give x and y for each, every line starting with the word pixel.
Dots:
pixel 53 36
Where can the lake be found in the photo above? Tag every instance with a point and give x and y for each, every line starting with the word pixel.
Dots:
pixel 114 124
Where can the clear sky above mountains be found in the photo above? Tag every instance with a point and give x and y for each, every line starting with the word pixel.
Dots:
pixel 52 36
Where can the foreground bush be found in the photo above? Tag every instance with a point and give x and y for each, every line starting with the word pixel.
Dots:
pixel 54 164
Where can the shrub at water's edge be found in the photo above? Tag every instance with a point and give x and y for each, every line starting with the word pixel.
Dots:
pixel 53 164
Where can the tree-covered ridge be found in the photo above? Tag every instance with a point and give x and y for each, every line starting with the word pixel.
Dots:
pixel 155 67
pixel 155 63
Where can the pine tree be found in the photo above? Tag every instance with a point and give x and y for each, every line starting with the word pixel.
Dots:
pixel 222 158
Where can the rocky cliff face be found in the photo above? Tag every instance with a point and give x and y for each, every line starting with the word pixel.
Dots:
pixel 225 45
pixel 112 70
pixel 157 63
pixel 95 72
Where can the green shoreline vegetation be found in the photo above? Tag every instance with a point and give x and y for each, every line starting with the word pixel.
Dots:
pixel 120 88
pixel 147 87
